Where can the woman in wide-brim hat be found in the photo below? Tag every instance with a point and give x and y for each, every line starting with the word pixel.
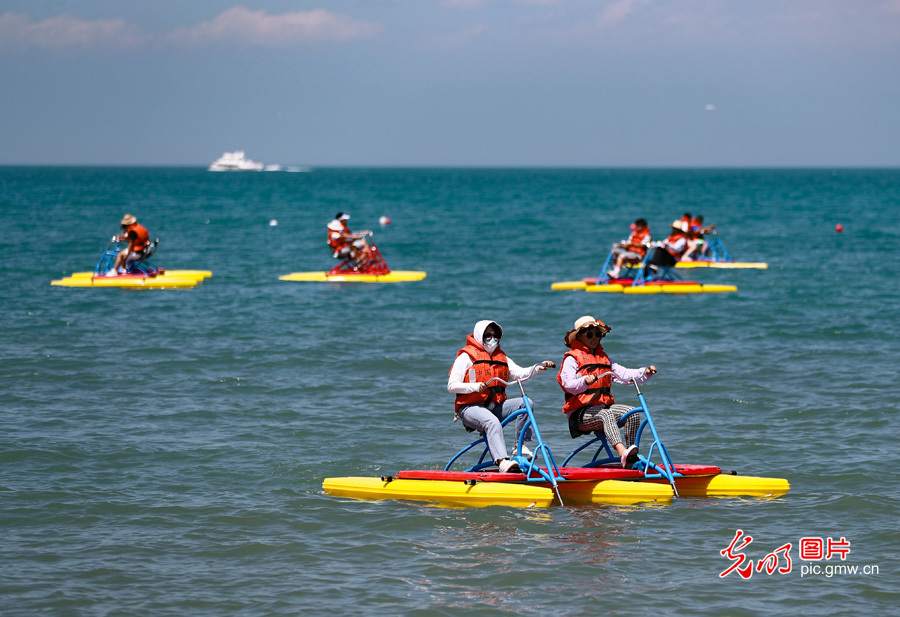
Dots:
pixel 138 239
pixel 586 376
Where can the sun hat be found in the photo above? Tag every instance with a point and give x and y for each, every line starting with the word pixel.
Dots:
pixel 679 225
pixel 341 216
pixel 582 323
pixel 129 219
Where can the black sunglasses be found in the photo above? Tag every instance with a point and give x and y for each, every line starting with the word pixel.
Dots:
pixel 591 332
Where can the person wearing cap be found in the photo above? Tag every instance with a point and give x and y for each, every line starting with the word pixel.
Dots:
pixel 667 254
pixel 482 406
pixel 344 243
pixel 633 249
pixel 586 380
pixel 138 239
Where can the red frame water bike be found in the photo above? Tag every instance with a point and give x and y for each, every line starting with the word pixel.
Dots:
pixel 372 263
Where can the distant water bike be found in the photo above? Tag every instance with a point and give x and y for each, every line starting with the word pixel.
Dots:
pixel 367 267
pixel 641 278
pixel 136 274
pixel 713 254
pixel 601 480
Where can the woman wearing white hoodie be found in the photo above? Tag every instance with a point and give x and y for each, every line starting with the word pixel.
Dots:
pixel 481 406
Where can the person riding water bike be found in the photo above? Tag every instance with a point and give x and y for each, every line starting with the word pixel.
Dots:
pixel 482 406
pixel 138 239
pixel 667 254
pixel 590 405
pixel 346 244
pixel 696 241
pixel 633 249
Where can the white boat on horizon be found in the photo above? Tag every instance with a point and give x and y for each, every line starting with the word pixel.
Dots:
pixel 235 161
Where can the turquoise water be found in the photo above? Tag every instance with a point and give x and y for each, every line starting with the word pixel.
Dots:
pixel 162 452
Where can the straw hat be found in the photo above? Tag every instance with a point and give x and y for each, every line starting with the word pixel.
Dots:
pixel 129 219
pixel 585 322
pixel 679 225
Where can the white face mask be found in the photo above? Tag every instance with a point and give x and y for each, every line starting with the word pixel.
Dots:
pixel 490 344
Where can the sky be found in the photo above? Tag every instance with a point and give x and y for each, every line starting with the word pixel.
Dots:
pixel 546 83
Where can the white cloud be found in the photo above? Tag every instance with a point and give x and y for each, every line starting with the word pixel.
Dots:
pixel 66 31
pixel 258 28
pixel 616 12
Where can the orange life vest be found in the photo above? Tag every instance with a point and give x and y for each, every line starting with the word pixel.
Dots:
pixel 484 367
pixel 635 241
pixel 141 239
pixel 589 363
pixel 342 240
pixel 672 239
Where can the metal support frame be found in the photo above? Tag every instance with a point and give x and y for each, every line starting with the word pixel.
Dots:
pixel 533 473
pixel 664 469
pixel 373 264
pixel 141 267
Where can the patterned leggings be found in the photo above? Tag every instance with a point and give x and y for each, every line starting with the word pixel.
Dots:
pixel 597 418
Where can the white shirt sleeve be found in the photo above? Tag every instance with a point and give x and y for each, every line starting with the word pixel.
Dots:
pixel 572 382
pixel 456 384
pixel 518 372
pixel 624 375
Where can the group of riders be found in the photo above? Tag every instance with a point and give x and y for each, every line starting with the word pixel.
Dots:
pixel 685 243
pixel 345 245
pixel 585 376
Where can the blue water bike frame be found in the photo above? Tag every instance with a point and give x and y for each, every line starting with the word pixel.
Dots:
pixel 644 272
pixel 714 250
pixel 664 470
pixel 533 473
pixel 142 266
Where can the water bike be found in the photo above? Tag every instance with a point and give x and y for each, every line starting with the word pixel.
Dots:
pixel 713 254
pixel 640 278
pixel 654 478
pixel 368 267
pixel 137 274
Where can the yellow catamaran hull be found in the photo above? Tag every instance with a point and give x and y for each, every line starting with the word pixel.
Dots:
pixel 728 265
pixel 677 288
pixel 477 494
pixel 726 485
pixel 395 276
pixel 170 279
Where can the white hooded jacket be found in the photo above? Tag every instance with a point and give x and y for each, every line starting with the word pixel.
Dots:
pixel 456 384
